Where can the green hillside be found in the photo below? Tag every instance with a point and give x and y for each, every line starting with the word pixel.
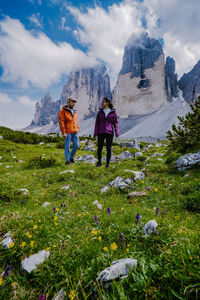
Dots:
pixel 80 247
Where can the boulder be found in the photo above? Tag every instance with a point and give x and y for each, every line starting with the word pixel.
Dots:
pixel 150 227
pixel 187 161
pixel 29 264
pixel 138 175
pixel 118 269
pixel 7 240
pixel 136 194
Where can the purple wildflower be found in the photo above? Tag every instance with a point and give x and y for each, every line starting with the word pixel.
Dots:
pixel 132 178
pixel 138 218
pixel 61 205
pixel 148 189
pixel 96 219
pixel 164 212
pixel 22 201
pixel 157 211
pixel 123 240
pixel 54 208
pixel 131 188
pixel 42 297
pixel 64 205
pixel 7 271
pixel 109 210
pixel 56 194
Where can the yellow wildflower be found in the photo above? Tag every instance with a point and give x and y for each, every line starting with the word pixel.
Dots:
pixel 28 234
pixel 55 218
pixel 71 294
pixel 113 246
pixel 94 231
pixel 79 215
pixel 35 227
pixel 122 208
pixel 56 224
pixel 48 249
pixel 11 245
pixel 105 248
pixel 23 244
pixel 156 189
pixel 100 238
pixel 1 281
pixel 32 244
pixel 182 183
pixel 127 249
pixel 57 209
pixel 54 246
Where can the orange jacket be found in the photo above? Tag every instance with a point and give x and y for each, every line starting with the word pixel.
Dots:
pixel 68 123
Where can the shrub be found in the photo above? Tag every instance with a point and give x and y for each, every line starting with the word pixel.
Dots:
pixel 41 162
pixel 141 158
pixel 172 157
pixel 185 136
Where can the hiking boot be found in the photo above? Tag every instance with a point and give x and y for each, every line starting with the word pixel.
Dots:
pixel 67 162
pixel 72 160
pixel 98 164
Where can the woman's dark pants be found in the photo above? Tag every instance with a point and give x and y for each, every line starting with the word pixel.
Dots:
pixel 109 139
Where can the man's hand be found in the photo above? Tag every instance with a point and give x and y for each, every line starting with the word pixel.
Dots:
pixel 64 135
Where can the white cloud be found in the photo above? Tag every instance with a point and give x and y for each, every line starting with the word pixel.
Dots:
pixel 179 27
pixel 16 113
pixel 36 19
pixel 106 32
pixel 35 59
pixel 63 27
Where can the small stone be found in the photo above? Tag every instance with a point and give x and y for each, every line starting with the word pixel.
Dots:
pixel 99 205
pixel 138 175
pixel 29 264
pixel 66 187
pixel 105 189
pixel 138 154
pixel 156 155
pixel 24 191
pixel 46 204
pixel 118 269
pixel 7 240
pixel 67 171
pixel 136 194
pixel 60 295
pixel 150 227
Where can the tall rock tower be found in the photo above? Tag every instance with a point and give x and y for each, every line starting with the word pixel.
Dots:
pixel 87 86
pixel 171 79
pixel 140 88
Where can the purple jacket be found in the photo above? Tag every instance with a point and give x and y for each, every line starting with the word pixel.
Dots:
pixel 106 124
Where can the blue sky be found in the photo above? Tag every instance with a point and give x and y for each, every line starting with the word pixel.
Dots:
pixel 41 41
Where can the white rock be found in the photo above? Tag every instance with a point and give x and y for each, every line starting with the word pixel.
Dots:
pixel 159 159
pixel 138 175
pixel 66 187
pixel 46 204
pixel 31 263
pixel 150 227
pixel 67 171
pixel 105 189
pixel 9 167
pixel 149 146
pixel 118 269
pixel 41 143
pixel 14 156
pixel 156 155
pixel 7 240
pixel 0 157
pixel 138 154
pixel 60 295
pixel 99 205
pixel 24 191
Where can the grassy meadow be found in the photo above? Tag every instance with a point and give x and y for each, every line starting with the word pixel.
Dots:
pixel 80 247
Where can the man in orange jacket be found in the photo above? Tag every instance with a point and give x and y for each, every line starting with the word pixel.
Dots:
pixel 69 127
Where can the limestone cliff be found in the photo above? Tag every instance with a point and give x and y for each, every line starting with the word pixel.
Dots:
pixel 87 86
pixel 190 84
pixel 140 88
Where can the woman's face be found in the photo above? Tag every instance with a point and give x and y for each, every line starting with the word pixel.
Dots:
pixel 104 104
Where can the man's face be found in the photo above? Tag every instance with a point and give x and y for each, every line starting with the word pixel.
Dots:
pixel 71 104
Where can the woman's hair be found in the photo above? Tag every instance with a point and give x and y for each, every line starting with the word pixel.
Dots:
pixel 109 102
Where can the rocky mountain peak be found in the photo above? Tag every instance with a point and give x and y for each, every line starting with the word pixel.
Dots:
pixel 171 78
pixel 190 84
pixel 87 86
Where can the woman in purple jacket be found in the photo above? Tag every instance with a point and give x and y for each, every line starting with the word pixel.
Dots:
pixel 106 123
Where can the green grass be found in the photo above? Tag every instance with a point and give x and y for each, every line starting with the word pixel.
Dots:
pixel 168 261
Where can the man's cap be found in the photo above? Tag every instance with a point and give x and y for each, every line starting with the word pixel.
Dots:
pixel 71 99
